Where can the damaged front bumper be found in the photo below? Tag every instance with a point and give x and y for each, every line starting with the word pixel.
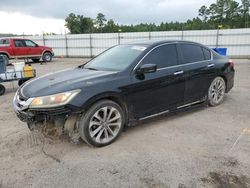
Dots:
pixel 26 114
pixel 51 121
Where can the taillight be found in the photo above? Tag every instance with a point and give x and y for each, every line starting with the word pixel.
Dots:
pixel 231 63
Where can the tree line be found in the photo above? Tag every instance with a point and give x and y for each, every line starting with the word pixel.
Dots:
pixel 222 14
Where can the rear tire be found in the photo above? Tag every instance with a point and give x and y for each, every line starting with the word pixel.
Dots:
pixel 2 89
pixel 216 92
pixel 102 123
pixel 47 57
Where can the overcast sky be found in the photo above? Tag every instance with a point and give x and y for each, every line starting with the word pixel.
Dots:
pixel 37 16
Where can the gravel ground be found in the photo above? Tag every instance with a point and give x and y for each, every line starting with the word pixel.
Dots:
pixel 205 147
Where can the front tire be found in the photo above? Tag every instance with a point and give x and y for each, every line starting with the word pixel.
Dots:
pixel 47 57
pixel 216 92
pixel 102 123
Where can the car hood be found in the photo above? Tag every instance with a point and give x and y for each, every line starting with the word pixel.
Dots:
pixel 62 81
pixel 46 47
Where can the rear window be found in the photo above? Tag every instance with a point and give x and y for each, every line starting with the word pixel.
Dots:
pixel 191 53
pixel 4 42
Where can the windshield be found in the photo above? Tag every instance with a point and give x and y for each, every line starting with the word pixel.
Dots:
pixel 117 58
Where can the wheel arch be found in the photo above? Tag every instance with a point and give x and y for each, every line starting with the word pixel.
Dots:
pixel 45 51
pixel 225 79
pixel 113 96
pixel 4 53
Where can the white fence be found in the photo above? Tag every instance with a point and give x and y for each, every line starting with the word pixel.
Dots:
pixel 237 41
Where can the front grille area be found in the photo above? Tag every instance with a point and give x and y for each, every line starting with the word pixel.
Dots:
pixel 21 97
pixel 19 105
pixel 20 102
pixel 51 111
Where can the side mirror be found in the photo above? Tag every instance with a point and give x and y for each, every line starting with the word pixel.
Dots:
pixel 147 68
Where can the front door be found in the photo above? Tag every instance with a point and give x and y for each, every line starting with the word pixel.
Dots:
pixel 19 49
pixel 33 49
pixel 153 93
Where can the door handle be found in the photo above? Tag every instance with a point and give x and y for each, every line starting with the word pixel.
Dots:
pixel 210 65
pixel 178 72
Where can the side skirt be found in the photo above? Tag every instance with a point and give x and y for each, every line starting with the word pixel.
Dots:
pixel 154 115
pixel 185 107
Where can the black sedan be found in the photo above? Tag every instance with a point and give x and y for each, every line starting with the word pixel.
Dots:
pixel 124 84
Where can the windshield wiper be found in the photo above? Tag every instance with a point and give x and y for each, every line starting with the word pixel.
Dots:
pixel 90 68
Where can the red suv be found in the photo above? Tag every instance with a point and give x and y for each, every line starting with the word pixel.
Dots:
pixel 24 48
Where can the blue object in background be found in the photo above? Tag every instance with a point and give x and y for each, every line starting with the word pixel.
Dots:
pixel 221 51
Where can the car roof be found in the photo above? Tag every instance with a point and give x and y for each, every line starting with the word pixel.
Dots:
pixel 2 38
pixel 152 43
pixel 12 38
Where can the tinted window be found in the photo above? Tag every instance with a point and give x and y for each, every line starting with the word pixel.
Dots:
pixel 4 42
pixel 191 53
pixel 19 43
pixel 163 56
pixel 30 43
pixel 207 54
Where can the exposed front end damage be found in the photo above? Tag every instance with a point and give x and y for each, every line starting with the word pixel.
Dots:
pixel 67 126
pixel 52 122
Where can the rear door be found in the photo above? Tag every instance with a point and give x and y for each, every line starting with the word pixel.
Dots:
pixel 198 70
pixel 19 48
pixel 156 92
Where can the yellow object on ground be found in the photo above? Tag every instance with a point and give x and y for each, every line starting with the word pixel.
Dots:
pixel 28 71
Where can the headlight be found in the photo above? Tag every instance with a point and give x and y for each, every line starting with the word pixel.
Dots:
pixel 55 100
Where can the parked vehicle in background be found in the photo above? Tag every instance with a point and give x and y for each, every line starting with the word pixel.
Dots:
pixel 124 84
pixel 25 48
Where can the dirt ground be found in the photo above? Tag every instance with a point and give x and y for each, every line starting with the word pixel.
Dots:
pixel 205 147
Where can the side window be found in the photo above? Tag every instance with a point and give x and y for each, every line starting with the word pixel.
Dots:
pixel 19 43
pixel 163 56
pixel 191 53
pixel 4 42
pixel 29 43
pixel 207 54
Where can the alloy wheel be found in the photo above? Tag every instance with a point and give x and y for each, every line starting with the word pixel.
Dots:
pixel 47 57
pixel 105 124
pixel 217 91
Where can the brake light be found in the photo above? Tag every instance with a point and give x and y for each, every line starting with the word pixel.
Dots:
pixel 231 63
